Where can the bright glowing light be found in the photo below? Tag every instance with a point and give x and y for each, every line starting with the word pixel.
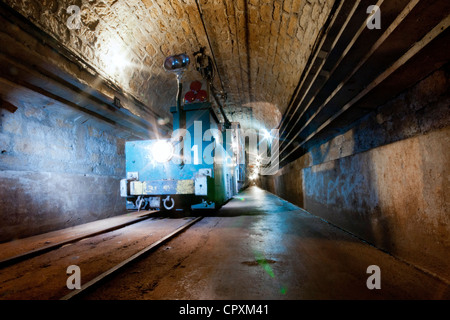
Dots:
pixel 253 176
pixel 266 134
pixel 118 61
pixel 163 121
pixel 116 58
pixel 162 151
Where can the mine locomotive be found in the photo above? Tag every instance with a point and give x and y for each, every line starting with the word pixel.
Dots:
pixel 200 166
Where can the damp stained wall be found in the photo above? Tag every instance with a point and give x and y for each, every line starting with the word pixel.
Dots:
pixel 58 168
pixel 385 179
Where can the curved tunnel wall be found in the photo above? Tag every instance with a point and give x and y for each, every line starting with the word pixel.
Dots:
pixel 385 179
pixel 57 169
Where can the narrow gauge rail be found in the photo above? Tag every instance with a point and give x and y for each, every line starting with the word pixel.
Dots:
pixel 40 274
pixel 44 249
pixel 102 277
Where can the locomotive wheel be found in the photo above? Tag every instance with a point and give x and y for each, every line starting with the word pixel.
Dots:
pixel 168 201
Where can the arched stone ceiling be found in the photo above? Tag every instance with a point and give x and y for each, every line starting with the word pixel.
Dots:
pixel 260 46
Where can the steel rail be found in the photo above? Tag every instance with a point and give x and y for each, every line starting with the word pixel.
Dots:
pixel 97 280
pixel 39 251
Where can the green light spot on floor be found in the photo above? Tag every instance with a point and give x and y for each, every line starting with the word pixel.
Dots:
pixel 262 261
pixel 283 290
pixel 265 264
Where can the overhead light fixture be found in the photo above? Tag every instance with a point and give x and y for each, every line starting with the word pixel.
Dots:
pixel 177 64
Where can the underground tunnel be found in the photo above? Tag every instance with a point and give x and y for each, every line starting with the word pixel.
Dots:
pixel 224 150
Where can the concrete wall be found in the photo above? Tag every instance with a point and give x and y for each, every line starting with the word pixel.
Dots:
pixel 385 180
pixel 58 168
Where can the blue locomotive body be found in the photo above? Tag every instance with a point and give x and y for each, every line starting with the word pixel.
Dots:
pixel 200 166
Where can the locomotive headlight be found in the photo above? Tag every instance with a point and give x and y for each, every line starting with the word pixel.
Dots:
pixel 162 151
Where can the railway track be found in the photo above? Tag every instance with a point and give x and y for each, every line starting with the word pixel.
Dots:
pixel 17 269
pixel 54 246
pixel 97 280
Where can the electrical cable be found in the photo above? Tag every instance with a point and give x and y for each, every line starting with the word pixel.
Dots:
pixel 200 11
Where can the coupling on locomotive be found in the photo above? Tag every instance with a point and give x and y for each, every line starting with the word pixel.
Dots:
pixel 201 165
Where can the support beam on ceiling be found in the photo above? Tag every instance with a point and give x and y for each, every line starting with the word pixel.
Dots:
pixel 363 65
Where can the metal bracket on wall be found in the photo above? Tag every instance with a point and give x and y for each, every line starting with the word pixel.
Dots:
pixel 7 106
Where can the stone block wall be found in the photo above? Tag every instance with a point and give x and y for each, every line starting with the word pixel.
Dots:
pixel 56 172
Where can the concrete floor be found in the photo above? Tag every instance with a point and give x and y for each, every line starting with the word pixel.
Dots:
pixel 261 247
